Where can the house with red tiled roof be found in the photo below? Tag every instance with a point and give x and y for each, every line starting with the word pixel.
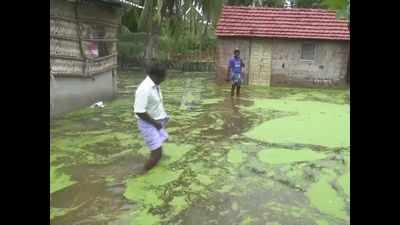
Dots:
pixel 283 46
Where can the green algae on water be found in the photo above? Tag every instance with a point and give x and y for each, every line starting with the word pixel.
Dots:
pixel 248 221
pixel 301 107
pixel 110 179
pixel 279 156
pixel 316 124
pixel 91 149
pixel 143 189
pixel 326 199
pixel 59 180
pixel 316 130
pixel 211 101
pixel 236 156
pixel 273 223
pixel 197 166
pixel 196 188
pixel 171 152
pixel 174 152
pixel 225 188
pixel 274 206
pixel 322 222
pixel 141 193
pixel 160 176
pixel 94 132
pixel 57 212
pixel 179 203
pixel 235 206
pixel 204 179
pixel 162 197
pixel 344 182
pixel 143 217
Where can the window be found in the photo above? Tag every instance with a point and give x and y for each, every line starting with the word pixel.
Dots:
pixel 98 47
pixel 308 51
pixel 93 49
pixel 103 49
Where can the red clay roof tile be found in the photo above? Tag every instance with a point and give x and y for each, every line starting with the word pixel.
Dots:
pixel 281 23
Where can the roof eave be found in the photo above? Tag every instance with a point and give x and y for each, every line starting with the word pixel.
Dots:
pixel 274 37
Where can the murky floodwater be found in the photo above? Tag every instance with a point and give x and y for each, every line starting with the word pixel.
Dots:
pixel 272 156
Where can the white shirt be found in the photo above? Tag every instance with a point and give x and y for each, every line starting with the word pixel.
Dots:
pixel 148 98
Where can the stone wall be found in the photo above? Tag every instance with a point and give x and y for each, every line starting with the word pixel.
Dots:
pixel 329 67
pixel 225 49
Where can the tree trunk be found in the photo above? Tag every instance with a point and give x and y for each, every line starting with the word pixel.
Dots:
pixel 148 52
pixel 152 44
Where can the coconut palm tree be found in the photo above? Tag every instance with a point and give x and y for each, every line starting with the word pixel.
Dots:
pixel 195 13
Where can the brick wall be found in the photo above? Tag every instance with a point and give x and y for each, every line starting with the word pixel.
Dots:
pixel 225 49
pixel 329 67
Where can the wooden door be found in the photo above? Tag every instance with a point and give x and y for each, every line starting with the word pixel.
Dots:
pixel 260 62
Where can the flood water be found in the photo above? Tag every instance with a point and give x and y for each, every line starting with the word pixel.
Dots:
pixel 273 156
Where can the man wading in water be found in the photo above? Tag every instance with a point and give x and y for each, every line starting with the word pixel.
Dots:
pixel 149 110
pixel 235 72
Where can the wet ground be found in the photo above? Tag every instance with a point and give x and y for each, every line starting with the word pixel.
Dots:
pixel 273 156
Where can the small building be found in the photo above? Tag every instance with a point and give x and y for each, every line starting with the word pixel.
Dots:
pixel 283 46
pixel 83 52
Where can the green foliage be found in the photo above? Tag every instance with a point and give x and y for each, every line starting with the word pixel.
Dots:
pixel 130 19
pixel 131 44
pixel 265 3
pixel 274 3
pixel 334 4
pixel 239 2
pixel 146 17
pixel 185 33
pixel 181 28
pixel 341 6
pixel 308 3
pixel 212 10
pixel 186 44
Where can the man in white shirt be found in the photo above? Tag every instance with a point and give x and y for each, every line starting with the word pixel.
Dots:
pixel 149 110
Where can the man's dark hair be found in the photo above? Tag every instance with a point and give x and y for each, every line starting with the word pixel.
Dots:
pixel 236 50
pixel 156 69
